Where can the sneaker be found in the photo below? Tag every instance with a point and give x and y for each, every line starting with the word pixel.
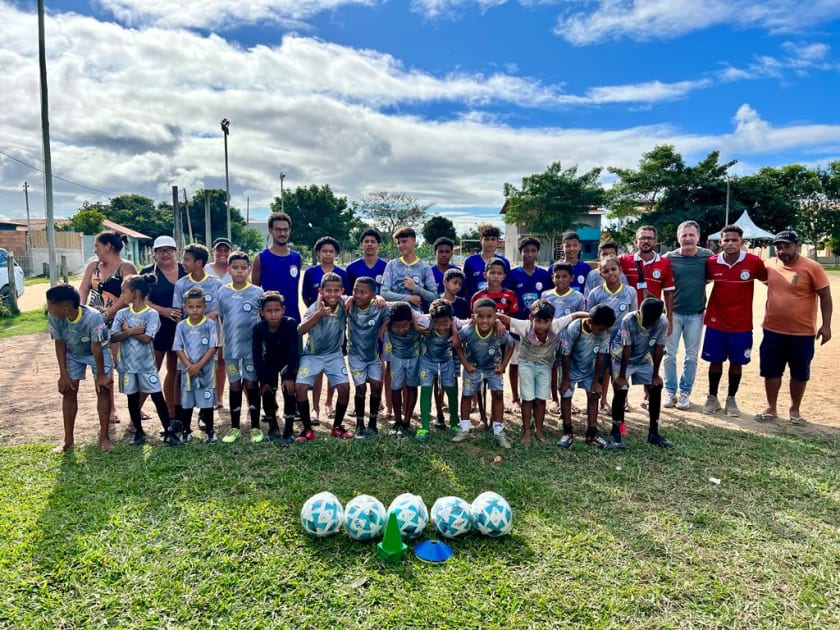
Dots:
pixel 422 435
pixel 273 434
pixel 622 429
pixel 461 436
pixel 684 402
pixel 566 441
pixel 670 400
pixel 287 440
pixel 139 439
pixel 616 444
pixel 395 429
pixel 441 424
pixel 212 438
pixel 597 441
pixel 315 420
pixel 732 407
pixel 371 433
pixel 341 432
pixel 360 432
pixel 501 440
pixel 306 436
pixel 712 405
pixel 231 437
pixel 172 440
pixel 256 436
pixel 660 441
pixel 186 437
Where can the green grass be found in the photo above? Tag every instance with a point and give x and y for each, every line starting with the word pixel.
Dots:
pixel 208 536
pixel 23 324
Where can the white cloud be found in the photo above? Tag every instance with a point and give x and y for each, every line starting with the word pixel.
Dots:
pixel 647 92
pixel 799 57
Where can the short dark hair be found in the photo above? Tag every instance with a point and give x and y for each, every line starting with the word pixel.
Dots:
pixel 193 294
pixel 612 260
pixel 529 240
pixel 453 273
pixel 326 240
pixel 61 293
pixel 113 238
pixel 651 310
pixel 400 312
pixel 571 235
pixel 198 252
pixel 647 228
pixel 141 282
pixel 443 240
pixel 733 228
pixel 239 255
pixel 602 315
pixel 562 266
pixel 489 230
pixel 439 309
pixel 370 232
pixel 278 216
pixel 542 309
pixel 272 296
pixel 482 302
pixel 405 232
pixel 496 262
pixel 331 276
pixel 607 245
pixel 370 282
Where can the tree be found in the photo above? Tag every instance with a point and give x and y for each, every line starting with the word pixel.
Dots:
pixel 139 213
pixel 317 212
pixel 388 211
pixel 552 202
pixel 88 220
pixel 436 227
pixel 243 237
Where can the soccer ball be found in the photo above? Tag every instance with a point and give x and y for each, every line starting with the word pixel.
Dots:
pixel 364 517
pixel 412 515
pixel 322 515
pixel 451 516
pixel 491 514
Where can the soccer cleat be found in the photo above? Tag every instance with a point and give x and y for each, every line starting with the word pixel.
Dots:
pixel 461 436
pixel 341 432
pixel 732 408
pixel 212 438
pixel 273 434
pixel 597 441
pixel 712 405
pixel 306 436
pixel 360 432
pixel 616 444
pixel 172 440
pixel 231 437
pixel 684 402
pixel 659 440
pixel 441 424
pixel 256 436
pixel 287 440
pixel 566 441
pixel 371 432
pixel 395 429
pixel 669 400
pixel 139 439
pixel 422 435
pixel 501 440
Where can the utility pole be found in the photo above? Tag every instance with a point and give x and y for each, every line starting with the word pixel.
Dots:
pixel 178 226
pixel 226 132
pixel 45 141
pixel 727 201
pixel 282 177
pixel 208 228
pixel 28 222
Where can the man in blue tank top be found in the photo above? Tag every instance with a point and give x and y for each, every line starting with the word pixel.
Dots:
pixel 277 268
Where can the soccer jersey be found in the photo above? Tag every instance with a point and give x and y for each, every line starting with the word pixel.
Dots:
pixel 505 300
pixel 359 269
pixel 195 340
pixel 135 356
pixel 77 335
pixel 435 347
pixel 531 347
pixel 240 311
pixel 580 271
pixel 474 280
pixel 730 303
pixel 273 351
pixel 363 326
pixel 312 282
pixel 209 285
pixel 565 304
pixel 657 275
pixel 631 333
pixel 527 287
pixel 282 274
pixel 396 271
pixel 460 308
pixel 594 279
pixel 582 348
pixel 622 301
pixel 405 346
pixel 484 352
pixel 327 336
pixel 438 275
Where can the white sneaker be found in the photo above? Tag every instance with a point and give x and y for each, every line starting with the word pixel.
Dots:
pixel 684 402
pixel 670 400
pixel 732 408
pixel 461 436
pixel 712 405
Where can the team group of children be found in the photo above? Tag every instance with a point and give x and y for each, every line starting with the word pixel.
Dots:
pixel 552 340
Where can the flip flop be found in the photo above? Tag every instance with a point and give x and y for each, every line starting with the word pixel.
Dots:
pixel 798 421
pixel 555 408
pixel 114 420
pixel 766 417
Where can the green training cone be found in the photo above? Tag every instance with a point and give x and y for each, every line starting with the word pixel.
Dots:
pixel 392 548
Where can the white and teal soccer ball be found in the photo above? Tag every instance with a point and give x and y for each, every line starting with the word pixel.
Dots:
pixel 412 514
pixel 452 517
pixel 322 515
pixel 364 517
pixel 491 514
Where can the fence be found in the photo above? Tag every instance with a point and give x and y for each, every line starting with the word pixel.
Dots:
pixel 63 240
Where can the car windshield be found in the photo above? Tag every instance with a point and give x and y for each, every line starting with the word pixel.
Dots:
pixel 3 256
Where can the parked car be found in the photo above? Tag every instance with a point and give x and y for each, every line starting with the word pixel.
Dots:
pixel 4 276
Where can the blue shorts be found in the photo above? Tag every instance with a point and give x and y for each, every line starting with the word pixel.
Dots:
pixel 77 366
pixel 718 346
pixel 429 370
pixel 131 383
pixel 637 373
pixel 363 371
pixel 534 381
pixel 404 372
pixel 240 370
pixel 495 382
pixel 330 364
pixel 777 350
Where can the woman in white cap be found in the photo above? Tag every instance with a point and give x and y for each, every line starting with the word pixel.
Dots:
pixel 167 269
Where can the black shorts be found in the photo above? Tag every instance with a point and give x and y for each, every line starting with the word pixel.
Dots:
pixel 778 350
pixel 165 336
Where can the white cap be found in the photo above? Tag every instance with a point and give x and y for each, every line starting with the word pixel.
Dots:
pixel 163 241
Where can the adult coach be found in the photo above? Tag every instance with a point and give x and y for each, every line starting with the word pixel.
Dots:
pixel 277 268
pixel 790 322
pixel 688 265
pixel 648 272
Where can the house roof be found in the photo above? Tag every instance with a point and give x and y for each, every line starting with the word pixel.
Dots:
pixel 751 231
pixel 127 231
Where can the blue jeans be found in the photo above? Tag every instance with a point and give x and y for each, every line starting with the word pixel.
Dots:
pixel 689 326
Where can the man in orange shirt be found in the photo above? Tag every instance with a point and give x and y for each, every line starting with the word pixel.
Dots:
pixel 790 322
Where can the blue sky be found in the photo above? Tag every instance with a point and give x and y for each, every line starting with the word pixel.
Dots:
pixel 443 99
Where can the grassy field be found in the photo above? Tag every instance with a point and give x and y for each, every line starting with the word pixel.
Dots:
pixel 208 536
pixel 23 324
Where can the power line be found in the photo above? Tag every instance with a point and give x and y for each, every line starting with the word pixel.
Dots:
pixel 66 181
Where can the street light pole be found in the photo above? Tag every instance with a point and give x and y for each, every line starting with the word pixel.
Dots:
pixel 282 177
pixel 28 222
pixel 226 132
pixel 727 201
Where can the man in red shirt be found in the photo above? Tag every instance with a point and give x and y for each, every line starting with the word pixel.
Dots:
pixel 729 318
pixel 648 272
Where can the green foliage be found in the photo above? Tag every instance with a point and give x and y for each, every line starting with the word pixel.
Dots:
pixel 389 211
pixel 317 212
pixel 88 220
pixel 438 226
pixel 139 213
pixel 242 236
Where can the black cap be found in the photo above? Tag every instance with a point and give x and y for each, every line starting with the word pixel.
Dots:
pixel 222 241
pixel 786 236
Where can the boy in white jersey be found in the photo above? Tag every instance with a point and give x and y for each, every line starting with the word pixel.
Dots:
pixel 134 329
pixel 436 364
pixel 408 277
pixel 81 340
pixel 195 258
pixel 196 341
pixel 403 350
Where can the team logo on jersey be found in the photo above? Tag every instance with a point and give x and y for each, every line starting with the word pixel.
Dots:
pixel 596 349
pixel 745 275
pixel 343 370
pixel 622 307
pixel 416 279
pixel 747 353
pixel 249 367
pixel 491 351
pixel 539 286
pixel 566 311
pixel 207 394
pixel 652 342
pixel 247 307
pixel 85 339
pixel 232 369
pixel 205 341
pixel 657 274
pixel 153 379
pixel 293 271
pixel 304 371
pixel 379 279
pixel 208 298
pixel 371 322
pixel 581 279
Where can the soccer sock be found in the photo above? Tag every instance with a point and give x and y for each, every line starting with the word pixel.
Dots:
pixel 207 415
pixel 359 402
pixel 235 403
pixel 340 410
pixel 134 411
pixel 567 428
pixel 161 408
pixel 269 403
pixel 734 383
pixel 303 408
pixel 186 419
pixel 396 400
pixel 618 402
pixel 253 396
pixel 654 407
pixel 498 428
pixel 375 401
pixel 425 405
pixel 452 397
pixel 289 403
pixel 591 432
pixel 714 382
pixel 288 425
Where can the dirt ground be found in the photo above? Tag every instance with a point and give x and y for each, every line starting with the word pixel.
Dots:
pixel 30 406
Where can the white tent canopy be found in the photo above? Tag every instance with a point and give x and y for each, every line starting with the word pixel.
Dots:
pixel 751 231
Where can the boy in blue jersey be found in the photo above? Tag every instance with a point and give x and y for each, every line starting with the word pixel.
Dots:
pixel 196 342
pixel 81 340
pixel 636 355
pixel 571 255
pixel 484 355
pixel 277 268
pixel 365 319
pixel 475 265
pixel 443 254
pixel 370 265
pixel 408 278
pixel 239 308
pixel 195 258
pixel 403 349
pixel 584 349
pixel 325 250
pixel 437 365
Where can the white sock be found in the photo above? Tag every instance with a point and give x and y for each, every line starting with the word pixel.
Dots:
pixel 464 425
pixel 498 428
